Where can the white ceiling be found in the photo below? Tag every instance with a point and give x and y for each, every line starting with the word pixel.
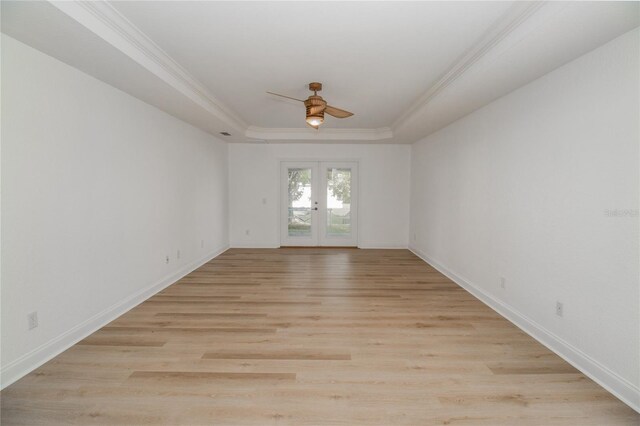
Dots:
pixel 373 59
pixel 405 69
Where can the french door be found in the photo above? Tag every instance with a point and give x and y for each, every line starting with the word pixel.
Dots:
pixel 319 202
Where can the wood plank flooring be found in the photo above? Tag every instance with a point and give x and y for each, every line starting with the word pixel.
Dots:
pixel 311 337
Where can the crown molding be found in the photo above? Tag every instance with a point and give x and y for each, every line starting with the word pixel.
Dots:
pixel 106 22
pixel 324 134
pixel 512 19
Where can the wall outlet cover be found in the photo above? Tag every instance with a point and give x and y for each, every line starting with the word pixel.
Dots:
pixel 33 320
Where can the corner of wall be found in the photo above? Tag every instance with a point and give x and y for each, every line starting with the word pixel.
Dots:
pixel 15 370
pixel 624 390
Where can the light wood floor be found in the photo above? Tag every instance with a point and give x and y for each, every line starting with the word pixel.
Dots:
pixel 311 337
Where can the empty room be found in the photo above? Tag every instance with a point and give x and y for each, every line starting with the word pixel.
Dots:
pixel 320 213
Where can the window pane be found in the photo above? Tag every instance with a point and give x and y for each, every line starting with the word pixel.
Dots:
pixel 338 202
pixel 299 222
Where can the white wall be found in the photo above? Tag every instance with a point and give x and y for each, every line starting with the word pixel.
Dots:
pixel 254 173
pixel 520 189
pixel 97 188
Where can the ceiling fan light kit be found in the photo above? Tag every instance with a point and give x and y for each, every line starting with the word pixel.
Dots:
pixel 316 107
pixel 315 120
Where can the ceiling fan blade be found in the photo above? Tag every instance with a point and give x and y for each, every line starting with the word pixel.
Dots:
pixel 337 112
pixel 284 96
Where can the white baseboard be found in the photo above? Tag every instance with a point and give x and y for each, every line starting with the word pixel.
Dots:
pixel 374 245
pixel 624 390
pixel 382 246
pixel 256 245
pixel 28 362
pixel 360 246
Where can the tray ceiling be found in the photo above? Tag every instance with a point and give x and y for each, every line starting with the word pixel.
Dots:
pixel 405 69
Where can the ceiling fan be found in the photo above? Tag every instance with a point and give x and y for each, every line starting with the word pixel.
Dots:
pixel 316 106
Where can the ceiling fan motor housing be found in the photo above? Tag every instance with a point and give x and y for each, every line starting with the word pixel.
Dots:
pixel 315 106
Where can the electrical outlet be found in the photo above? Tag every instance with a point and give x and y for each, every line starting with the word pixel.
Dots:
pixel 503 283
pixel 559 309
pixel 178 254
pixel 33 320
pixel 166 259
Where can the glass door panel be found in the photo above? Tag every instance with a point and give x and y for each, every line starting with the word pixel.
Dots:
pixel 338 213
pixel 299 202
pixel 299 211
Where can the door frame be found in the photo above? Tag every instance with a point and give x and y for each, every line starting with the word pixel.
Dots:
pixel 322 200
